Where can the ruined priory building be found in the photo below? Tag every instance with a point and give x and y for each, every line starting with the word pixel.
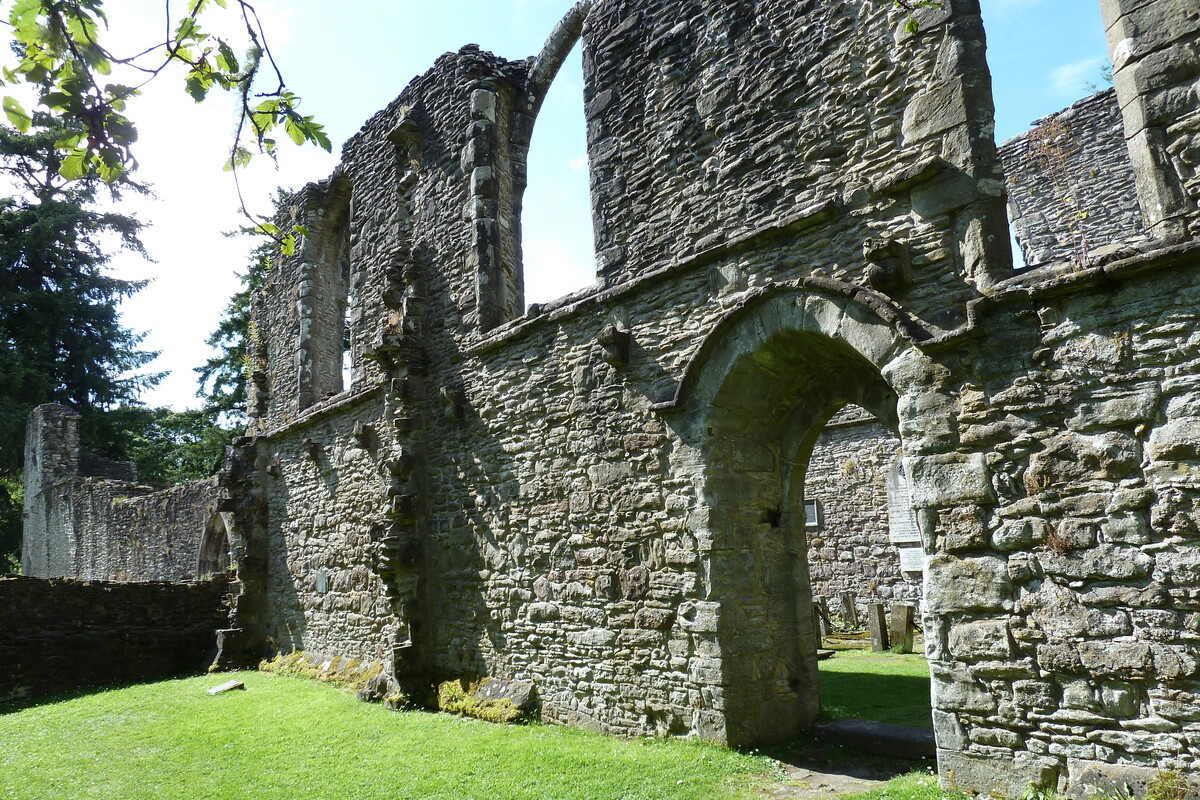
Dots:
pixel 798 206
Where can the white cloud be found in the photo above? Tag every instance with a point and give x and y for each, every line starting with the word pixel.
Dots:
pixel 1072 79
pixel 577 164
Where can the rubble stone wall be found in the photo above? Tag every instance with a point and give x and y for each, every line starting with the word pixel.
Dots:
pixel 604 496
pixel 66 634
pixel 798 207
pixel 1071 187
pixel 106 528
pixel 850 546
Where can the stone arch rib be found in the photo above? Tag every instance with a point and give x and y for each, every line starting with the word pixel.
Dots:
pixel 864 319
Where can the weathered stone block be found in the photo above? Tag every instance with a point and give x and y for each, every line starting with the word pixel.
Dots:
pixel 967 584
pixel 1178 439
pixel 1125 659
pixel 1114 562
pixel 955 689
pixel 1017 534
pixel 976 641
pixel 948 480
pixel 1089 779
pixel 699 616
pixel 998 777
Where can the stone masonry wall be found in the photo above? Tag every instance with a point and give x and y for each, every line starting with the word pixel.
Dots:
pixel 605 497
pixel 710 120
pixel 61 635
pixel 1156 72
pixel 1059 592
pixel 850 549
pixel 326 493
pixel 1070 184
pixel 104 528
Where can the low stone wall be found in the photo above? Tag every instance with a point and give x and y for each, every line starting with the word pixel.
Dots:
pixel 64 634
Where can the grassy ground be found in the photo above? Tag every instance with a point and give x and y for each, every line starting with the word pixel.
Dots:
pixel 294 739
pixel 888 687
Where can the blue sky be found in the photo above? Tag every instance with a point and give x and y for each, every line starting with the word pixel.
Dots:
pixel 348 60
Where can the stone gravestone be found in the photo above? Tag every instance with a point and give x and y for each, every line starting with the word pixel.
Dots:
pixel 821 613
pixel 849 610
pixel 877 623
pixel 902 624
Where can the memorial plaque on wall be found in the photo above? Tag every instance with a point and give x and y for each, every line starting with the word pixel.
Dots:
pixel 912 559
pixel 902 520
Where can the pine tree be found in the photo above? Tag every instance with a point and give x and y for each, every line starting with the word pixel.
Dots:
pixel 61 339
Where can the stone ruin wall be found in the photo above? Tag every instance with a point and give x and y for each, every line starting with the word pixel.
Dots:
pixel 64 634
pixel 850 547
pixel 87 517
pixel 1155 71
pixel 1070 184
pixel 434 241
pixel 591 498
pixel 603 496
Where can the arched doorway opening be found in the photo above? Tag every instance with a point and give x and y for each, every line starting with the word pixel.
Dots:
pixel 214 548
pixel 760 393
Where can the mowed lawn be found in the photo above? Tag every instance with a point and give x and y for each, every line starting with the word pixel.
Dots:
pixel 288 738
pixel 888 687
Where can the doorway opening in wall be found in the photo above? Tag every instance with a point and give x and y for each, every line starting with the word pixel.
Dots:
pixel 215 547
pixel 804 423
pixel 866 567
pixel 556 220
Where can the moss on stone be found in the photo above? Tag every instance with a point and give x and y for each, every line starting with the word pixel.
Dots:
pixel 352 674
pixel 455 698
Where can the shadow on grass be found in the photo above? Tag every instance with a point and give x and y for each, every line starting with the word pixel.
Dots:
pixel 898 699
pixel 22 703
pixel 812 752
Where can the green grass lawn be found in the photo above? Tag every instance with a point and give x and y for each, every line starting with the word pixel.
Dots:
pixel 294 739
pixel 289 738
pixel 887 687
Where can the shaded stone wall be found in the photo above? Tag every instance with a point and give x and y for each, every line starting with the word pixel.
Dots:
pixel 63 634
pixel 325 493
pixel 850 548
pixel 709 121
pixel 605 497
pixel 106 528
pixel 1070 184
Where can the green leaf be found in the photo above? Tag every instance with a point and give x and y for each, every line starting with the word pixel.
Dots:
pixel 69 141
pixel 56 100
pixel 240 158
pixel 226 60
pixel 294 131
pixel 911 26
pixel 17 115
pixel 197 87
pixel 73 166
pixel 287 245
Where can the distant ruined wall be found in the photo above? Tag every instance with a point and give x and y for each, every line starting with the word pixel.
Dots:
pixel 65 634
pixel 107 527
pixel 850 544
pixel 1070 184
